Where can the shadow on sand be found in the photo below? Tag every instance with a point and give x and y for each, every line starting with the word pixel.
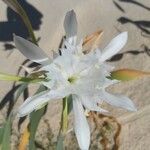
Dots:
pixel 143 25
pixel 117 57
pixel 14 24
pixel 136 3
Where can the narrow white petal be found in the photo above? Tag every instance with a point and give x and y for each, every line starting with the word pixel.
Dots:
pixel 70 24
pixel 114 46
pixel 119 101
pixel 39 100
pixel 90 103
pixel 81 126
pixel 109 82
pixel 71 42
pixel 31 51
pixel 97 52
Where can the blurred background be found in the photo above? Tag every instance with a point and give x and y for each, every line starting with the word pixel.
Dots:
pixel 111 16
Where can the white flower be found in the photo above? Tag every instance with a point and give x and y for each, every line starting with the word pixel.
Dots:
pixel 73 73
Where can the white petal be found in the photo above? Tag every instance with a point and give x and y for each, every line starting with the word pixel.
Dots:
pixel 81 126
pixel 114 46
pixel 109 82
pixel 34 102
pixel 31 51
pixel 90 103
pixel 119 101
pixel 71 43
pixel 69 46
pixel 70 24
pixel 97 52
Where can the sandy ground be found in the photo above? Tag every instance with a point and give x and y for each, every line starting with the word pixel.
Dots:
pixel 112 17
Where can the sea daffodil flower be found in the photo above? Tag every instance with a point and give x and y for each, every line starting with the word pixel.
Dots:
pixel 84 76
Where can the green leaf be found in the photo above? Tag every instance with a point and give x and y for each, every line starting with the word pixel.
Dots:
pixel 8 77
pixel 1 133
pixel 60 140
pixel 5 145
pixel 20 90
pixel 127 74
pixel 67 107
pixel 64 122
pixel 70 104
pixel 35 118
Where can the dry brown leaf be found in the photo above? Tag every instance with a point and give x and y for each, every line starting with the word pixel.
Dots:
pixel 128 74
pixel 105 133
pixel 91 41
pixel 24 140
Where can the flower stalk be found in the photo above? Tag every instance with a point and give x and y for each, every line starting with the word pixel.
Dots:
pixel 7 77
pixel 65 115
pixel 64 124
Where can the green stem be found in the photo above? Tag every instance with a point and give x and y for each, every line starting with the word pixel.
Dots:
pixel 7 77
pixel 65 115
pixel 64 125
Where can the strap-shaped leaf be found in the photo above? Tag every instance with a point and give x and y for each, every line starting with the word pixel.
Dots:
pixel 6 135
pixel 35 118
pixel 60 144
pixel 28 136
pixel 20 90
pixel 1 133
pixel 128 74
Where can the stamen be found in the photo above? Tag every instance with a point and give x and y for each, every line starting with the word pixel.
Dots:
pixel 72 79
